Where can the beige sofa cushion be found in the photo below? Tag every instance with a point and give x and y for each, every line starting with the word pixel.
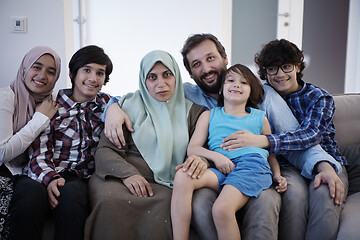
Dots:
pixel 347 119
pixel 352 155
pixel 347 126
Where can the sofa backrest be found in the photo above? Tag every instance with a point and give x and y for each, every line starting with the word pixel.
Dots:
pixel 347 119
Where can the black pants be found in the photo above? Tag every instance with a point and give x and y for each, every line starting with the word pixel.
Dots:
pixel 6 193
pixel 30 208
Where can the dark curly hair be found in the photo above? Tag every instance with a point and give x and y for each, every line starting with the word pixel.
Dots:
pixel 279 52
pixel 257 91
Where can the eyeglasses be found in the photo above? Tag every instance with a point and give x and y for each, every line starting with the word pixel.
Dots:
pixel 286 68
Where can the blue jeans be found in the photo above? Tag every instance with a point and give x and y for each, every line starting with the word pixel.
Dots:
pixel 349 218
pixel 308 213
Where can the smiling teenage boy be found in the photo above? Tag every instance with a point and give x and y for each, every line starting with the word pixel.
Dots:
pixel 62 156
pixel 310 209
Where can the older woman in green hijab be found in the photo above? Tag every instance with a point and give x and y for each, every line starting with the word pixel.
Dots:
pixel 130 191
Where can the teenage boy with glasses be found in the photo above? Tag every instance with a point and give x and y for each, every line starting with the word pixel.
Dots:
pixel 310 209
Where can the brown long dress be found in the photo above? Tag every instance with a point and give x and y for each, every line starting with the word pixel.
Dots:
pixel 116 213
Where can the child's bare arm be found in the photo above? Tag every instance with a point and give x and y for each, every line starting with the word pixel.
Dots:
pixel 199 136
pixel 198 140
pixel 274 165
pixel 275 168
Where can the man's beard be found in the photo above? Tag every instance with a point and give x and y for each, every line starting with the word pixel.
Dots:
pixel 215 87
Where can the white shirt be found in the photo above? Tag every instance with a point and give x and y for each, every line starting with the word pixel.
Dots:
pixel 12 145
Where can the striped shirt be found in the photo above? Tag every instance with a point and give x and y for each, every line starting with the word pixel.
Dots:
pixel 314 109
pixel 68 143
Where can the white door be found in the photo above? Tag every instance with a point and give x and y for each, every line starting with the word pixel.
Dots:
pixel 290 20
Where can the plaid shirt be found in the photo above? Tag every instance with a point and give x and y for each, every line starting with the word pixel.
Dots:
pixel 314 109
pixel 68 143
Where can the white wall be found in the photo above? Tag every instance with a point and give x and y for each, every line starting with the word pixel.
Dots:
pixel 166 25
pixel 127 30
pixel 45 27
pixel 324 43
pixel 352 74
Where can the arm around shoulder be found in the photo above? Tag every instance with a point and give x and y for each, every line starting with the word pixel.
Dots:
pixel 115 118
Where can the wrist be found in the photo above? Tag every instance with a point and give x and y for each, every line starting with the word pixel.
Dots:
pixel 265 142
pixel 52 178
pixel 274 143
pixel 276 176
pixel 322 166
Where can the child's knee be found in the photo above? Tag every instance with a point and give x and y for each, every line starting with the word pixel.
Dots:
pixel 220 212
pixel 181 178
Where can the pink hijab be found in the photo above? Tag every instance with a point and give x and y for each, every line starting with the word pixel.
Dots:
pixel 25 101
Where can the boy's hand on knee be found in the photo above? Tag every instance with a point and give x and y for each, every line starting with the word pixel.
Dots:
pixel 327 175
pixel 53 191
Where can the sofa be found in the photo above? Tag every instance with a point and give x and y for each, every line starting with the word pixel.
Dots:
pixel 347 125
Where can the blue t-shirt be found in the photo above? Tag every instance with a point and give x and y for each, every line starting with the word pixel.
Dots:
pixel 222 125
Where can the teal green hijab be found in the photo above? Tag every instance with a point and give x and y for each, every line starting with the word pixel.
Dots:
pixel 161 129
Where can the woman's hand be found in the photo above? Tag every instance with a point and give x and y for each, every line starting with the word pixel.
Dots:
pixel 138 186
pixel 194 166
pixel 48 108
pixel 114 119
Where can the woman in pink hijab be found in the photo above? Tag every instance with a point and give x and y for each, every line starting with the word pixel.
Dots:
pixel 26 107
